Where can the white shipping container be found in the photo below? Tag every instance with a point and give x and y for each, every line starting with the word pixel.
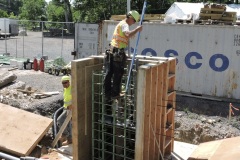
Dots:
pixel 86 42
pixel 208 55
pixel 9 26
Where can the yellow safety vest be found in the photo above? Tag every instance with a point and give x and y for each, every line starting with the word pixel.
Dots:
pixel 119 39
pixel 67 97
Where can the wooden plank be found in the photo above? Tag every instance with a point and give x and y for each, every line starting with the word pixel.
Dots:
pixel 210 15
pixel 164 105
pixel 218 150
pixel 229 149
pixel 147 128
pixel 82 116
pixel 153 104
pixel 79 109
pixel 212 10
pixel 22 137
pixel 140 112
pixel 205 150
pixel 159 107
pixel 64 125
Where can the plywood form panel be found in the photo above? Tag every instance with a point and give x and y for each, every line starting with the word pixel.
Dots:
pixel 82 110
pixel 153 104
pixel 164 106
pixel 147 114
pixel 140 112
pixel 159 108
pixel 19 134
pixel 225 149
pixel 154 114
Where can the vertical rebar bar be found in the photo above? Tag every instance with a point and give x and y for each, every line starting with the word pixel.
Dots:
pixel 112 141
pixel 102 129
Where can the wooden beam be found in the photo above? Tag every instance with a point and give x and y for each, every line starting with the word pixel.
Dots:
pixel 64 125
pixel 140 112
pixel 82 115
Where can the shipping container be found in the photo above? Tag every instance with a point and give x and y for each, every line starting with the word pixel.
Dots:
pixel 208 55
pixel 86 41
pixel 8 27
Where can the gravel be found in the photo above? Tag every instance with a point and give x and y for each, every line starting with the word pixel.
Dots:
pixel 36 80
pixel 196 120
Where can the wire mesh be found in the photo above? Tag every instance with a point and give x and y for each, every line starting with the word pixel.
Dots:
pixel 29 39
pixel 113 123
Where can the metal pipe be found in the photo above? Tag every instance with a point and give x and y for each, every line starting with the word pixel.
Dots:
pixel 7 156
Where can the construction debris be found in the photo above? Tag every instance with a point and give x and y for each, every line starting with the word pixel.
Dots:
pixel 7 78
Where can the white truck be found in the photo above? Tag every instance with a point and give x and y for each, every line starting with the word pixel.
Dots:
pixel 8 27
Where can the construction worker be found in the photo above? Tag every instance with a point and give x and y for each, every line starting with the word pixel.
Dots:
pixel 115 56
pixel 67 100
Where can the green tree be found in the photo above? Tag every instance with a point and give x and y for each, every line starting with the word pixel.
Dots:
pixel 12 16
pixel 10 6
pixel 55 13
pixel 3 14
pixel 97 10
pixel 60 11
pixel 32 9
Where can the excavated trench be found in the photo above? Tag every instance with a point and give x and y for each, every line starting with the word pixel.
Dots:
pixel 197 120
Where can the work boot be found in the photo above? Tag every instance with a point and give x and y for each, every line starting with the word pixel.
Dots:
pixel 67 142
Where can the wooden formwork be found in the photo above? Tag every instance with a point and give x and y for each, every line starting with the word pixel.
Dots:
pixel 155 106
pixel 155 109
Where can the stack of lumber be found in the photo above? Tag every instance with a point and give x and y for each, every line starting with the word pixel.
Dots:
pixel 216 13
pixel 147 17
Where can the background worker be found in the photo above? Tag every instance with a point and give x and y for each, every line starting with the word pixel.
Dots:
pixel 67 100
pixel 116 57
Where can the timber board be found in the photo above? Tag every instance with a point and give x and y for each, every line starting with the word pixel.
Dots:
pixel 225 149
pixel 21 130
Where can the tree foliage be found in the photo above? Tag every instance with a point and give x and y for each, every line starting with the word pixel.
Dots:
pixel 55 13
pixel 32 10
pixel 10 6
pixel 97 10
pixel 3 14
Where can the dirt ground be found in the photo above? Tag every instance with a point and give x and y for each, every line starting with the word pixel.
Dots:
pixel 197 120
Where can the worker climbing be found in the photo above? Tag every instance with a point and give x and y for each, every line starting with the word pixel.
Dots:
pixel 115 56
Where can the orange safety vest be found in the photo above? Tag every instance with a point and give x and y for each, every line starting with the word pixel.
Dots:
pixel 119 39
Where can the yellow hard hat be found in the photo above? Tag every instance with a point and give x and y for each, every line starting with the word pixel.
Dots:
pixel 65 78
pixel 134 14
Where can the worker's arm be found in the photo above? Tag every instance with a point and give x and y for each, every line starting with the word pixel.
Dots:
pixel 131 33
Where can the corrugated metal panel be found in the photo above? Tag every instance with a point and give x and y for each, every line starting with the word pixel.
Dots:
pixel 208 56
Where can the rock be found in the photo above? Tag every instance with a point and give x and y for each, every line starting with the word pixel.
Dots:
pixel 7 78
pixel 203 120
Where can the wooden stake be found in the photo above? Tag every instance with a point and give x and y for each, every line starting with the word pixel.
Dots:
pixel 65 123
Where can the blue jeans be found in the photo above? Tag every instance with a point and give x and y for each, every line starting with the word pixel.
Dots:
pixel 60 120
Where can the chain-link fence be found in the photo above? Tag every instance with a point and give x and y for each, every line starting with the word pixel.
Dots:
pixel 29 39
